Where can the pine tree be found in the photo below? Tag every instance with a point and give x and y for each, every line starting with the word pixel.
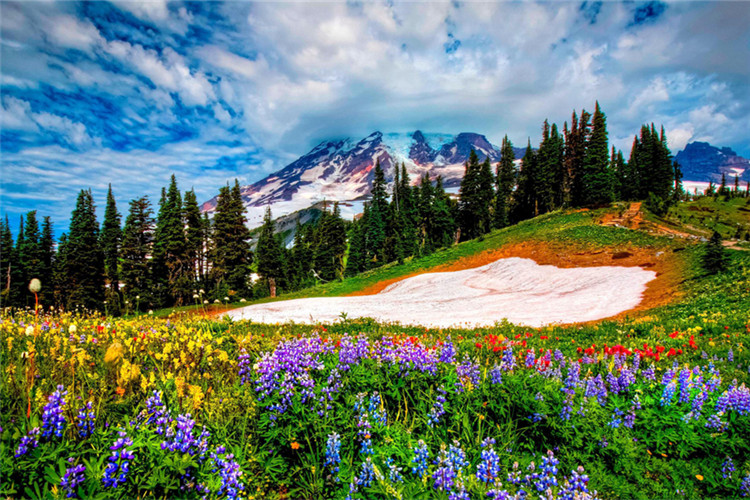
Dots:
pixel 268 254
pixel 525 199
pixel 172 269
pixel 715 258
pixel 85 260
pixel 444 211
pixel 60 282
pixel 485 197
pixel 355 262
pixel 230 253
pixel 111 237
pixel 377 220
pixel 136 248
pixel 19 278
pixel 330 245
pixel 506 180
pixel 575 153
pixel 597 178
pixel 47 252
pixel 470 198
pixel 7 253
pixel 31 249
pixel 194 238
pixel 723 187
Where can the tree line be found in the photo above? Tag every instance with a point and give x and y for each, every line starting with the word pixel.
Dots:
pixel 179 256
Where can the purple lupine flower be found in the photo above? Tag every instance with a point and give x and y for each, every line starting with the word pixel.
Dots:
pixel 616 420
pixel 573 378
pixel 730 355
pixel 394 472
pixel 715 422
pixel 735 398
pixel 367 474
pixel 229 472
pixel 438 409
pixel 86 420
pixel 53 419
pixel 496 375
pixel 668 394
pixel 745 486
pixel 244 367
pixel 73 477
pixel 727 468
pixel 488 469
pixel 529 361
pixel 468 374
pixel 333 453
pixel 448 352
pixel 629 420
pixel 445 474
pixel 567 408
pixel 509 361
pixel 156 413
pixel 649 373
pixel 685 385
pixel 421 454
pixel 31 440
pixel 117 469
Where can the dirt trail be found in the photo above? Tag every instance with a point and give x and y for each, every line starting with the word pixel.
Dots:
pixel 660 291
pixel 633 218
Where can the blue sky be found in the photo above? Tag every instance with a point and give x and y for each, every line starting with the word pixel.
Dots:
pixel 130 92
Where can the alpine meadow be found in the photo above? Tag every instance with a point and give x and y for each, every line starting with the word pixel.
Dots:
pixel 374 250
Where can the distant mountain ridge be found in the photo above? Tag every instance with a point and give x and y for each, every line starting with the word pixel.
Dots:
pixel 702 162
pixel 343 170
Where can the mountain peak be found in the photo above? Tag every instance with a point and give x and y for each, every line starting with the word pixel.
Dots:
pixel 700 161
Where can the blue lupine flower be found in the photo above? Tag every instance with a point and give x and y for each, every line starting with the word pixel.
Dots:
pixel 367 474
pixel 668 393
pixel 333 453
pixel 438 409
pixel 445 474
pixel 489 468
pixel 448 352
pixel 31 440
pixel 394 472
pixel 468 374
pixel 73 477
pixel 730 355
pixel 421 454
pixel 727 468
pixel 529 361
pixel 117 469
pixel 745 486
pixel 244 367
pixel 229 472
pixel 86 420
pixel 616 419
pixel 53 419
pixel 496 375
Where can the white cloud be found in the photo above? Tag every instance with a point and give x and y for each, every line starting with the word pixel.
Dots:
pixel 70 32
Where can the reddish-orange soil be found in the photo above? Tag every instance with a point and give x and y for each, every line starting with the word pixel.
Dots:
pixel 659 291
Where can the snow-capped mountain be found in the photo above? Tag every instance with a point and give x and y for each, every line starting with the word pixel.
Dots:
pixel 703 162
pixel 344 170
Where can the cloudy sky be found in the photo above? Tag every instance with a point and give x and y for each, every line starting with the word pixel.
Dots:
pixel 130 92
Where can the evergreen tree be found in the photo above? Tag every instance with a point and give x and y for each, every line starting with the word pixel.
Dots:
pixel 506 180
pixel 678 190
pixel 330 245
pixel 471 198
pixel 444 211
pixel 525 200
pixel 230 254
pixel 377 219
pixel 485 197
pixel 194 238
pixel 6 262
pixel 61 285
pixel 356 261
pixel 31 250
pixel 111 237
pixel 597 178
pixel 723 191
pixel 268 254
pixel 302 257
pixel 136 248
pixel 19 279
pixel 575 153
pixel 715 258
pixel 171 266
pixel 47 252
pixel 550 170
pixel 85 260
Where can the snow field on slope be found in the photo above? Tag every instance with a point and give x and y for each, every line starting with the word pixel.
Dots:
pixel 515 289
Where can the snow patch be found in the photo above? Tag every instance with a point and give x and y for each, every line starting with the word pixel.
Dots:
pixel 519 290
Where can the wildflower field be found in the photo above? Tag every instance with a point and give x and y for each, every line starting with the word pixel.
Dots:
pixel 651 406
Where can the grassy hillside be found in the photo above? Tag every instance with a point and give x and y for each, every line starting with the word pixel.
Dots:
pixel 731 218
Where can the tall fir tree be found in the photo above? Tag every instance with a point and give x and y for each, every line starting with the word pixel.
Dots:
pixel 194 239
pixel 375 232
pixel 31 249
pixel 85 260
pixel 6 262
pixel 472 197
pixel 136 249
pixel 230 252
pixel 171 267
pixel 356 260
pixel 269 255
pixel 60 282
pixel 111 237
pixel 47 252
pixel 575 153
pixel 330 246
pixel 525 201
pixel 506 181
pixel 19 278
pixel 597 177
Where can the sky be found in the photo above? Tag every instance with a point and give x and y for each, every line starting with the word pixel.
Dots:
pixel 129 93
